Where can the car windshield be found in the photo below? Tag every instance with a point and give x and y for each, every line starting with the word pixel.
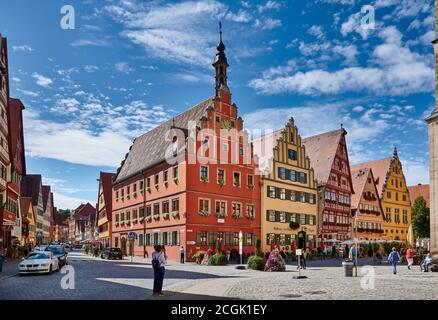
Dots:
pixel 55 250
pixel 39 255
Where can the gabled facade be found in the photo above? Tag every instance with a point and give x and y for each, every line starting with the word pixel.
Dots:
pixel 394 196
pixel 60 226
pixel 192 201
pixel 82 223
pixel 31 186
pixel 29 222
pixel 18 163
pixel 366 209
pixel 48 212
pixel 8 218
pixel 289 209
pixel 104 208
pixel 329 158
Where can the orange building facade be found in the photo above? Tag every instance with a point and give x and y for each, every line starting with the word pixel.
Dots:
pixel 190 182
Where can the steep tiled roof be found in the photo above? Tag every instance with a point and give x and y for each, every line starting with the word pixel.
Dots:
pixel 321 149
pixel 380 170
pixel 106 181
pixel 25 204
pixel 46 193
pixel 420 190
pixel 359 177
pixel 30 187
pixel 149 149
pixel 60 218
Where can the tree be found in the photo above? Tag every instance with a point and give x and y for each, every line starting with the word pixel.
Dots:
pixel 64 211
pixel 420 218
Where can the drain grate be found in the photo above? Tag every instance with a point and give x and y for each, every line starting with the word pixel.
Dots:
pixel 291 296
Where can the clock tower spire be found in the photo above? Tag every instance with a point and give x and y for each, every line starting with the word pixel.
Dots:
pixel 220 65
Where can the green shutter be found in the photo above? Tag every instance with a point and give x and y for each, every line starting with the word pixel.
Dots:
pixel 307 219
pixel 198 237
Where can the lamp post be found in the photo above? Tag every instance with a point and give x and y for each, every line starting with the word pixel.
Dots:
pixel 241 245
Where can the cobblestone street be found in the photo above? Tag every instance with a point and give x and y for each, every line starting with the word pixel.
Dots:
pixel 123 280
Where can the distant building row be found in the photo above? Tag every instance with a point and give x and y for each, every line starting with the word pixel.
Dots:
pixel 27 211
pixel 311 194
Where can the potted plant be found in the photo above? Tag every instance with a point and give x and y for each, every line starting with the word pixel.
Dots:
pixel 250 186
pixel 175 214
pixel 175 180
pixel 221 182
pixel 204 179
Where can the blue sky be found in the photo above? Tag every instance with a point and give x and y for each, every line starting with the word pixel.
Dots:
pixel 129 65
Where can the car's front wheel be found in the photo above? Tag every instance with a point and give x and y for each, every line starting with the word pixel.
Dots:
pixel 50 270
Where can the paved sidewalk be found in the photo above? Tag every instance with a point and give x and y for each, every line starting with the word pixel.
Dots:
pixel 10 269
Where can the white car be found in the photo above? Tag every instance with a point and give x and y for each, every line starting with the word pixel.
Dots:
pixel 39 262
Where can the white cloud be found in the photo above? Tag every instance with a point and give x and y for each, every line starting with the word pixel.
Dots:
pixel 240 16
pixel 90 42
pixel 358 109
pixel 123 67
pixel 353 24
pixel 267 24
pixel 42 80
pixel 163 30
pixel 316 31
pixel 67 202
pixel 15 79
pixel 393 70
pixel 27 92
pixel 269 5
pixel 23 48
pixel 91 68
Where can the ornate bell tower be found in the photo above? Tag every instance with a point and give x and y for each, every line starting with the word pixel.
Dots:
pixel 220 65
pixel 432 121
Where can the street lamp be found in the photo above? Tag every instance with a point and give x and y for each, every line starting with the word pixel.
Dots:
pixel 240 245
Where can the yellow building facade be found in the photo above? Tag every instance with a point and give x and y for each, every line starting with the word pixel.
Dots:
pixel 289 193
pixel 394 196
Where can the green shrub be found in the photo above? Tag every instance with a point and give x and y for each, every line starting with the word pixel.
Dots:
pixel 256 263
pixel 218 260
pixel 199 256
pixel 87 248
pixel 219 247
pixel 258 248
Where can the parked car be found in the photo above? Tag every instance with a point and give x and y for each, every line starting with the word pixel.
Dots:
pixel 112 253
pixel 39 248
pixel 60 252
pixel 68 248
pixel 38 262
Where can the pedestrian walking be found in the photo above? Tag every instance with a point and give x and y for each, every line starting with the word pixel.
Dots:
pixel 410 257
pixel 181 254
pixel 393 259
pixel 158 263
pixel 352 254
pixel 303 259
pixel 333 251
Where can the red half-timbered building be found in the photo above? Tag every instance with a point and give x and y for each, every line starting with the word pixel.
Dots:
pixel 329 158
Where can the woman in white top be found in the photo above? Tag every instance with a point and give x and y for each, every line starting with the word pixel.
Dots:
pixel 158 263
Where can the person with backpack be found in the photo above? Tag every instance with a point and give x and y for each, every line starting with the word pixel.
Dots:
pixel 158 263
pixel 394 258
